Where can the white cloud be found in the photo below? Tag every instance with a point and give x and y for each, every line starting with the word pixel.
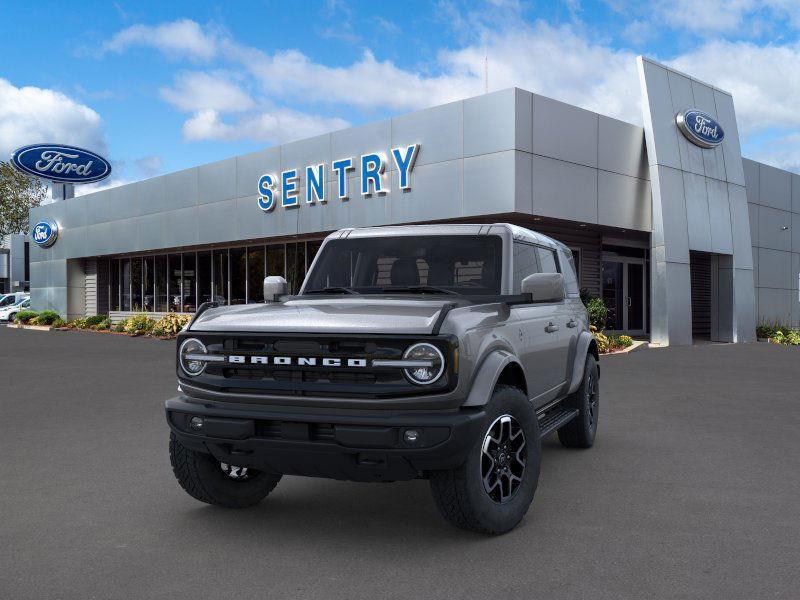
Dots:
pixel 562 62
pixel 764 80
pixel 30 114
pixel 198 90
pixel 150 166
pixel 278 125
pixel 181 38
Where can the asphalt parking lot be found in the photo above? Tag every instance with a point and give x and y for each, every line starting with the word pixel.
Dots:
pixel 692 491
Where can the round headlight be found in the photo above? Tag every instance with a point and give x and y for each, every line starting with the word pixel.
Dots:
pixel 433 359
pixel 190 347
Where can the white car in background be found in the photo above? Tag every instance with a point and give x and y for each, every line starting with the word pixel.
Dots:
pixel 13 298
pixel 7 313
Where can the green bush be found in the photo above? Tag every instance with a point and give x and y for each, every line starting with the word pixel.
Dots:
pixel 779 333
pixel 625 340
pixel 103 325
pixel 59 322
pixel 46 317
pixel 170 325
pixel 598 313
pixel 138 324
pixel 119 327
pixel 95 320
pixel 24 316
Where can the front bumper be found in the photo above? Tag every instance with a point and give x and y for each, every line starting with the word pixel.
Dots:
pixel 352 445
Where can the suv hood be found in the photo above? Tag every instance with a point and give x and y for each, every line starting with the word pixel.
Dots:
pixel 327 315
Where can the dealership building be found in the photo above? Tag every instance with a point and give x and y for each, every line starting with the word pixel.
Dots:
pixel 681 236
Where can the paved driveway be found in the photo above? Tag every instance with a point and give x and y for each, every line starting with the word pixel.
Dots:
pixel 692 491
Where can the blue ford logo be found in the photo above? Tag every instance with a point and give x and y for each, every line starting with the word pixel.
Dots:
pixel 700 128
pixel 44 233
pixel 65 164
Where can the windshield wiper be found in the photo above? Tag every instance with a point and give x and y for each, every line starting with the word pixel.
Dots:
pixel 419 289
pixel 332 290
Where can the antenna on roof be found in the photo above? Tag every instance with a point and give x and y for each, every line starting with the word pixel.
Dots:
pixel 486 73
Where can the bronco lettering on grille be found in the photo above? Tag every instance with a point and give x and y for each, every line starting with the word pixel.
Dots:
pixel 300 361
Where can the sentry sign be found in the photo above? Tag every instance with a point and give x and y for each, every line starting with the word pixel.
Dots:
pixel 284 189
pixel 64 164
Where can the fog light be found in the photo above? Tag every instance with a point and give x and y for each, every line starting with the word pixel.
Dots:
pixel 196 423
pixel 411 436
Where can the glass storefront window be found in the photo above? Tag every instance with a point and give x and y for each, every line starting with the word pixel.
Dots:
pixel 136 284
pixel 295 265
pixel 147 283
pixel 220 283
pixel 276 264
pixel 113 292
pixel 203 277
pixel 174 283
pixel 126 284
pixel 238 275
pixel 161 273
pixel 189 281
pixel 255 274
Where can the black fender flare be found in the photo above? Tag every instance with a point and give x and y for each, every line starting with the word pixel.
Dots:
pixel 485 380
pixel 586 344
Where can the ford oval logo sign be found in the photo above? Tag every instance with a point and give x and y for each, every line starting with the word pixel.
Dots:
pixel 700 128
pixel 65 164
pixel 44 233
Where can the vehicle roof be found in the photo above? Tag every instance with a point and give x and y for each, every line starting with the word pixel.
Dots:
pixel 518 233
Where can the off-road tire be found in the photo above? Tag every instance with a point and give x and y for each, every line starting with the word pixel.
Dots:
pixel 459 493
pixel 581 431
pixel 202 478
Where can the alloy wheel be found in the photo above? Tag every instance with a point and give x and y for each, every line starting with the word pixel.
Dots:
pixel 503 457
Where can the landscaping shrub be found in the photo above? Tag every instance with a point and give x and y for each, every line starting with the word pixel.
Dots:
pixel 603 343
pixel 778 333
pixel 59 322
pixel 46 317
pixel 170 325
pixel 598 313
pixel 119 327
pixel 103 325
pixel 625 340
pixel 138 324
pixel 24 316
pixel 90 322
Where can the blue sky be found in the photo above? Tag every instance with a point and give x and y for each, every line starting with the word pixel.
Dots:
pixel 160 86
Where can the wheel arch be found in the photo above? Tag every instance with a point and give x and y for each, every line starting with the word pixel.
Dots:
pixel 499 367
pixel 586 345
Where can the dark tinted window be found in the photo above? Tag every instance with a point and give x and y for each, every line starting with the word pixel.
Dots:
pixel 525 263
pixel 460 263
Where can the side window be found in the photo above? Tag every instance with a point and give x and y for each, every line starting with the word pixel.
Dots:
pixel 570 274
pixel 525 263
pixel 547 260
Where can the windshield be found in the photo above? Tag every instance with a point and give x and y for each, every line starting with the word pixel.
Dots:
pixel 434 264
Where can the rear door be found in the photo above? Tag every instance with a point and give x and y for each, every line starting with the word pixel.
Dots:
pixel 560 320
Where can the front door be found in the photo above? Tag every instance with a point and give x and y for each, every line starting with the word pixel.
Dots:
pixel 625 294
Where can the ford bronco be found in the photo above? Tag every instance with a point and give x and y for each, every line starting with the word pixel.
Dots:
pixel 442 352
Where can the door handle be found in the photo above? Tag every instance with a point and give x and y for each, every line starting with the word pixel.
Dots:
pixel 572 323
pixel 551 328
pixel 629 301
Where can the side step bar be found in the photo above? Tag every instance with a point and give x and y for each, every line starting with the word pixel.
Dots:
pixel 555 418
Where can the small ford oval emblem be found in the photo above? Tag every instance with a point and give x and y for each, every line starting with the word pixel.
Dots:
pixel 700 128
pixel 65 164
pixel 44 233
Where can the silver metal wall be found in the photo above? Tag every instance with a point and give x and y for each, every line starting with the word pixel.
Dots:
pixel 506 152
pixel 773 201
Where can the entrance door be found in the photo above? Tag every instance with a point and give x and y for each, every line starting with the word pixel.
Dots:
pixel 625 294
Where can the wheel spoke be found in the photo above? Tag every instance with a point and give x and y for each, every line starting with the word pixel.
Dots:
pixel 503 458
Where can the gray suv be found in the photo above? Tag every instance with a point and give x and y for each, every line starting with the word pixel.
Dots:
pixel 442 352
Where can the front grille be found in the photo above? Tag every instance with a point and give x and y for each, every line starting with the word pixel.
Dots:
pixel 315 380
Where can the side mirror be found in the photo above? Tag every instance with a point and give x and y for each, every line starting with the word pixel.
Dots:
pixel 274 287
pixel 544 287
